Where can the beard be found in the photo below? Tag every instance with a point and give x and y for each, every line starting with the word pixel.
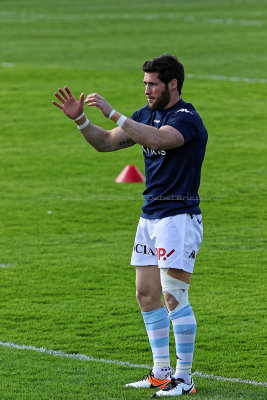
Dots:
pixel 161 101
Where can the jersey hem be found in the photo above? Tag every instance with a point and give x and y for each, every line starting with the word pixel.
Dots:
pixel 193 211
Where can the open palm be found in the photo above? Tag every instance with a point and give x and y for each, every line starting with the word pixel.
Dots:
pixel 72 107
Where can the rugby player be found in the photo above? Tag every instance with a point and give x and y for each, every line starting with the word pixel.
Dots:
pixel 170 230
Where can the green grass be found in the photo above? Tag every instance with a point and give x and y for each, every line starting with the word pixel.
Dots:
pixel 69 286
pixel 70 379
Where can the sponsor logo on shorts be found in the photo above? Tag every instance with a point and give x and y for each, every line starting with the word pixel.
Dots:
pixel 143 249
pixel 192 255
pixel 162 253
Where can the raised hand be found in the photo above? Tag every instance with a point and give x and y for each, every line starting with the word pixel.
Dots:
pixel 94 99
pixel 72 107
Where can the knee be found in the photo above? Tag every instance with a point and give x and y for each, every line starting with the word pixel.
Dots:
pixel 147 299
pixel 139 296
pixel 175 291
pixel 143 296
pixel 170 301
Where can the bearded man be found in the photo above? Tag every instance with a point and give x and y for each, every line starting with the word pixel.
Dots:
pixel 173 138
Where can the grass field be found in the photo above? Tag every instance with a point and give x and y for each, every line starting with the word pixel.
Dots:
pixel 67 229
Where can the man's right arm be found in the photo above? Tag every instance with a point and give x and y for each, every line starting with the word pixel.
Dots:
pixel 106 140
pixel 99 138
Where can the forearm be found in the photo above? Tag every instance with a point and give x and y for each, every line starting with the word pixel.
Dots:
pixel 93 134
pixel 146 135
pixel 103 140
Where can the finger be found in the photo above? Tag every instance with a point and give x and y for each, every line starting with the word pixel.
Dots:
pixel 90 97
pixel 57 105
pixel 93 103
pixel 81 99
pixel 93 95
pixel 59 97
pixel 68 91
pixel 63 94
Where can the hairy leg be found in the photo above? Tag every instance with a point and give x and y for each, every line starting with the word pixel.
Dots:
pixel 148 288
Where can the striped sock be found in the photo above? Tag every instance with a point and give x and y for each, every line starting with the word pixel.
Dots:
pixel 158 326
pixel 184 327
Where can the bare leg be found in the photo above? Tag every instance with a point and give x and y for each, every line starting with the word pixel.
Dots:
pixel 148 288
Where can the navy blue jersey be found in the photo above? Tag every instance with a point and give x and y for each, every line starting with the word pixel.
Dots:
pixel 173 176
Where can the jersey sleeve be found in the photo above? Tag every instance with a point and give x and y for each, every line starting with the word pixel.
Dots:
pixel 185 123
pixel 135 116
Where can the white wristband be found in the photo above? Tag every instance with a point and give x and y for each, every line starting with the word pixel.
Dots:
pixel 80 116
pixel 121 120
pixel 112 112
pixel 84 124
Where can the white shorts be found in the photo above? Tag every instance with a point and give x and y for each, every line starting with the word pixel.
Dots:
pixel 171 242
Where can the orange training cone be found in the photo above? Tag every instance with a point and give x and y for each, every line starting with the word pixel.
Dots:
pixel 130 174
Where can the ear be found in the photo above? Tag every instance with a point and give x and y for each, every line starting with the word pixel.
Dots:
pixel 173 84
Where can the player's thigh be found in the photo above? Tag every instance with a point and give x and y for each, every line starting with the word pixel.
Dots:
pixel 148 280
pixel 180 274
pixel 178 240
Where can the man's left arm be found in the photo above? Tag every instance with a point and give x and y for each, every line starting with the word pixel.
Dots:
pixel 163 138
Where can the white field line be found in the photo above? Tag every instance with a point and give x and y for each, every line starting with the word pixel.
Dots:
pixel 7 64
pixel 195 76
pixel 227 78
pixel 83 357
pixel 27 17
pixel 6 265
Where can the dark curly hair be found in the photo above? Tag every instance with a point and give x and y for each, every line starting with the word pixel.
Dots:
pixel 168 68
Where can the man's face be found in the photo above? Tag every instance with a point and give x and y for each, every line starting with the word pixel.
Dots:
pixel 157 94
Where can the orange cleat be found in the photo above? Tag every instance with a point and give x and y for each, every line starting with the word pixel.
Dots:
pixel 149 381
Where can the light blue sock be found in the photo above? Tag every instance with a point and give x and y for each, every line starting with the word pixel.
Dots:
pixel 184 327
pixel 158 327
